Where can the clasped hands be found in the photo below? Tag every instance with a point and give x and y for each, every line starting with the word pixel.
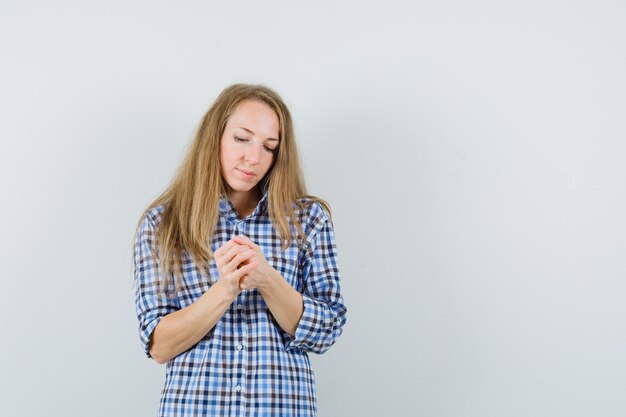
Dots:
pixel 242 265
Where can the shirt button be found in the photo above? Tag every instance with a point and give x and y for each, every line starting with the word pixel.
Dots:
pixel 239 346
pixel 238 388
pixel 239 306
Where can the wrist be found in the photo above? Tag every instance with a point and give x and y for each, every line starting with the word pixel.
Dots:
pixel 226 292
pixel 273 281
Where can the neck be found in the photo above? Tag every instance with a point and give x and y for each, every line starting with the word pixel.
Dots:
pixel 245 202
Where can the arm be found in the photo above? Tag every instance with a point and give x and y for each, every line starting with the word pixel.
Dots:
pixel 312 321
pixel 284 302
pixel 165 329
pixel 180 330
pixel 324 312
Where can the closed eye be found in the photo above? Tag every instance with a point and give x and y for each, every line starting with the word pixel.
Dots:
pixel 267 148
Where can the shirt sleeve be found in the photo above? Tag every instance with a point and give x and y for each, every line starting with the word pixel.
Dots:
pixel 324 311
pixel 150 306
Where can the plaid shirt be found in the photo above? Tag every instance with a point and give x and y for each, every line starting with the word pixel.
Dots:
pixel 246 365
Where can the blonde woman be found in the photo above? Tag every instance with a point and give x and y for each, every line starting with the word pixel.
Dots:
pixel 236 275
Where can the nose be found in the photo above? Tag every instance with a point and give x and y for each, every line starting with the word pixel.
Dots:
pixel 252 154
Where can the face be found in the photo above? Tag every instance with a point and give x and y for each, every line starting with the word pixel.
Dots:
pixel 247 147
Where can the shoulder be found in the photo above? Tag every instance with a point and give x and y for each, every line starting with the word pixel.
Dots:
pixel 145 234
pixel 151 218
pixel 312 213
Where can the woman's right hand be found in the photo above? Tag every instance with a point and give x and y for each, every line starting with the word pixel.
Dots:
pixel 233 262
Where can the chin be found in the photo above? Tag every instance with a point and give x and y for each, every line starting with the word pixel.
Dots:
pixel 238 187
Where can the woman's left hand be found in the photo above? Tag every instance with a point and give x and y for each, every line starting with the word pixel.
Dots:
pixel 261 275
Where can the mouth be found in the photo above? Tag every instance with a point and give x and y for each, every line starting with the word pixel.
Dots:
pixel 247 174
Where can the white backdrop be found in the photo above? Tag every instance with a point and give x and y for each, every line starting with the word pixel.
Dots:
pixel 472 152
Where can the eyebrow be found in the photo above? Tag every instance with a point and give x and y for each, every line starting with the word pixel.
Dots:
pixel 248 130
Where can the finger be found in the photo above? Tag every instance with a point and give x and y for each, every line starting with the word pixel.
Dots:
pixel 245 269
pixel 244 240
pixel 234 251
pixel 224 248
pixel 243 283
pixel 225 267
pixel 240 258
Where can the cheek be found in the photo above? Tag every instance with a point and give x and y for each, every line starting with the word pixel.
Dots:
pixel 225 165
pixel 226 156
pixel 268 162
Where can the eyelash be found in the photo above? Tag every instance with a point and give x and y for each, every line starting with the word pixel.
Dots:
pixel 238 139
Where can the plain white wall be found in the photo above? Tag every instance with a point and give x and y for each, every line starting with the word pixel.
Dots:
pixel 473 153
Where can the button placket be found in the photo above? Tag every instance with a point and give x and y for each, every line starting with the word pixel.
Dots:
pixel 239 228
pixel 241 346
pixel 240 359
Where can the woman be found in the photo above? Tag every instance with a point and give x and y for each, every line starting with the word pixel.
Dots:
pixel 236 276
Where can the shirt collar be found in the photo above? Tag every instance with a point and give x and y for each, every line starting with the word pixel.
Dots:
pixel 226 206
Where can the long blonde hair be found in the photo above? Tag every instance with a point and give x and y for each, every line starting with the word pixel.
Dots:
pixel 191 200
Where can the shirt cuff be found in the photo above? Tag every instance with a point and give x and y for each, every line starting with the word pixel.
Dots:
pixel 309 326
pixel 146 334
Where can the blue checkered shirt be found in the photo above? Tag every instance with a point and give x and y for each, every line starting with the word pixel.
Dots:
pixel 246 365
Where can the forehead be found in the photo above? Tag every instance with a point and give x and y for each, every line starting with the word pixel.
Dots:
pixel 257 117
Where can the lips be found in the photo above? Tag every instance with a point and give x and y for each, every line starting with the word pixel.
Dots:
pixel 246 174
